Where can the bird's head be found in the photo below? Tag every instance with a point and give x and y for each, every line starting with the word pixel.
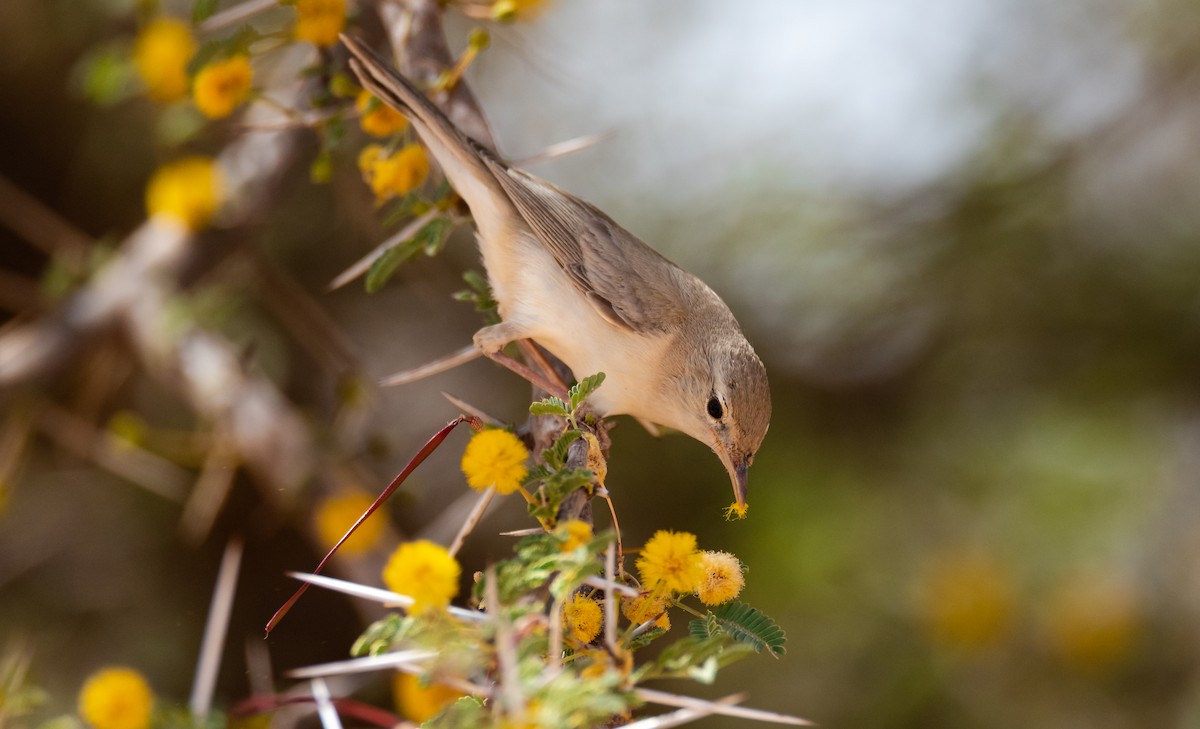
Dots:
pixel 722 399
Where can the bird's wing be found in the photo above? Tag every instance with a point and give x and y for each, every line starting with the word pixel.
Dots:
pixel 628 282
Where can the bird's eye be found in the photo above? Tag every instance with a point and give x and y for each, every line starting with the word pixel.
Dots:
pixel 714 408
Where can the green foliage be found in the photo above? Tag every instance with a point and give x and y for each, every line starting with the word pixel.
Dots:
pixel 480 294
pixel 556 455
pixel 429 239
pixel 554 405
pixel 550 406
pixel 380 635
pixel 466 713
pixel 204 9
pixel 580 390
pixel 104 75
pixel 743 623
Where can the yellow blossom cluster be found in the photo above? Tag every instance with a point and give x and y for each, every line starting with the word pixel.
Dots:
pixel 188 191
pixel 582 618
pixel 377 118
pixel 669 565
pixel 319 21
pixel 968 601
pixel 722 579
pixel 424 571
pixel 160 56
pixel 221 86
pixel 577 533
pixel 671 562
pixel 650 606
pixel 337 514
pixel 495 458
pixel 392 175
pixel 116 698
pixel 419 703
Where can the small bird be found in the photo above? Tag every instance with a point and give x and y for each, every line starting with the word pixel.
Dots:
pixel 569 278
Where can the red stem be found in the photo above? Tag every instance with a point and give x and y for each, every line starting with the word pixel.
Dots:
pixel 417 460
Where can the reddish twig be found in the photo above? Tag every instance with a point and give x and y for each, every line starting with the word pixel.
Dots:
pixel 430 446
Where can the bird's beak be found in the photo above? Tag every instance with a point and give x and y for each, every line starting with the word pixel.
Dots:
pixel 739 474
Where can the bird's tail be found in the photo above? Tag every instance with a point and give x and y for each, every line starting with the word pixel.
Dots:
pixel 460 157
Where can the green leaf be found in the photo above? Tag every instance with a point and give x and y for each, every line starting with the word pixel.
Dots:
pixel 646 638
pixel 385 266
pixel 321 169
pixel 583 388
pixel 105 76
pixel 549 406
pixel 433 235
pixel 379 636
pixel 556 455
pixel 205 54
pixel 743 623
pixel 203 9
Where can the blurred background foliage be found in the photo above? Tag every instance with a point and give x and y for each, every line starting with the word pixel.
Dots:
pixel 964 240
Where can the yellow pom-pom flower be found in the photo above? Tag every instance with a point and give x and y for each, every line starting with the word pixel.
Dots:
pixel 650 606
pixel 116 698
pixel 1094 622
pixel 420 703
pixel 582 618
pixel 576 532
pixel 425 572
pixel 222 86
pixel 723 579
pixel 393 175
pixel 736 511
pixel 189 191
pixel 496 458
pixel 337 514
pixel 377 118
pixel 968 601
pixel 319 21
pixel 160 55
pixel 670 561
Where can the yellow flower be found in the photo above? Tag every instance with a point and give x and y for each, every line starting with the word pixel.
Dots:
pixel 510 10
pixel 638 610
pixel 968 601
pixel 736 511
pixel 425 572
pixel 577 533
pixel 420 703
pixel 221 86
pixel 582 618
pixel 189 191
pixel 670 560
pixel 320 21
pixel 497 458
pixel 722 579
pixel 392 175
pixel 377 118
pixel 116 698
pixel 160 55
pixel 337 514
pixel 1094 622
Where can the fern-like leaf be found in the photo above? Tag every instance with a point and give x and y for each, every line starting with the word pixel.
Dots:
pixel 743 623
pixel 583 388
pixel 549 406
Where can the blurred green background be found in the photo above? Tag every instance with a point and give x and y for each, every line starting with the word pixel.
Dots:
pixel 965 241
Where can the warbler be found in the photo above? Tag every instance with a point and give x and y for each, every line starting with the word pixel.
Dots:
pixel 569 278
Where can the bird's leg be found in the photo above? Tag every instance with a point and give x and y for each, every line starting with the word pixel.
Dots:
pixel 491 341
pixel 534 354
pixel 528 373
